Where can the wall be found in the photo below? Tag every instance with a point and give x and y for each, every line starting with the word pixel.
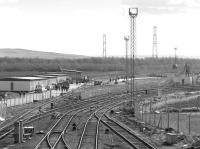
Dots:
pixel 21 85
pixel 5 85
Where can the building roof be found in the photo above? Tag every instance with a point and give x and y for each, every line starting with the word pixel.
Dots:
pixel 45 76
pixel 57 74
pixel 22 79
pixel 67 70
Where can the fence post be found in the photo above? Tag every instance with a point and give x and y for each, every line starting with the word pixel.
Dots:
pixel 189 116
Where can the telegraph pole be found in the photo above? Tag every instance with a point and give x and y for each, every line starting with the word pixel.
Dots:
pixel 133 12
pixel 126 38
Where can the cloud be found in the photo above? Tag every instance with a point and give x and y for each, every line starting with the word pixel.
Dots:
pixel 163 6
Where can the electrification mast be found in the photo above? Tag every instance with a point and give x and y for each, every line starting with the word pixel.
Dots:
pixel 133 12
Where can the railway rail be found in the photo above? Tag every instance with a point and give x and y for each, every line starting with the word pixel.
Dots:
pixel 58 127
pixel 126 134
pixel 27 120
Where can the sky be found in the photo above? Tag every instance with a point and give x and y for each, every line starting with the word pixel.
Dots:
pixel 77 26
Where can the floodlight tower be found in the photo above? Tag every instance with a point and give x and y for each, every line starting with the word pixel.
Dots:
pixel 133 12
pixel 155 48
pixel 104 45
pixel 126 39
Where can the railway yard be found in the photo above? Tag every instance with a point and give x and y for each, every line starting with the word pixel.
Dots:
pixel 102 118
pixel 50 99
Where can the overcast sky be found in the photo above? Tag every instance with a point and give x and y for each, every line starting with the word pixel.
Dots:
pixel 77 26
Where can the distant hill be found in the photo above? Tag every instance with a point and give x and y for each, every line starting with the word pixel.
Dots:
pixel 23 53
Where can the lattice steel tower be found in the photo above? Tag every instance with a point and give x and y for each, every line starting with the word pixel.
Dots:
pixel 155 48
pixel 104 45
pixel 133 12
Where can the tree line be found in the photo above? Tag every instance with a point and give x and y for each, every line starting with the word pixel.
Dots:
pixel 142 65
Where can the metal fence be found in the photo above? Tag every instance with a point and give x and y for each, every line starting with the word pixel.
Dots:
pixel 188 123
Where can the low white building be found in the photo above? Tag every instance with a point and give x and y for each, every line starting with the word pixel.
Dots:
pixel 22 84
pixel 182 79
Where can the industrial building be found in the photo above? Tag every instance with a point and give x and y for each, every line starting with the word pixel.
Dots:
pixel 59 77
pixel 74 74
pixel 22 84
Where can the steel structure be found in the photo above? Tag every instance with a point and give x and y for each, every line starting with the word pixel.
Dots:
pixel 155 48
pixel 126 38
pixel 104 45
pixel 133 12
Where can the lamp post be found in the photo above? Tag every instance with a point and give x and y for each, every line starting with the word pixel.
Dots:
pixel 133 12
pixel 126 38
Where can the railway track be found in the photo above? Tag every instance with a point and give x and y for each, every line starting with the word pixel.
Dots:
pixel 90 121
pixel 121 130
pixel 7 129
pixel 55 137
pixel 90 131
pixel 126 134
pixel 28 117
